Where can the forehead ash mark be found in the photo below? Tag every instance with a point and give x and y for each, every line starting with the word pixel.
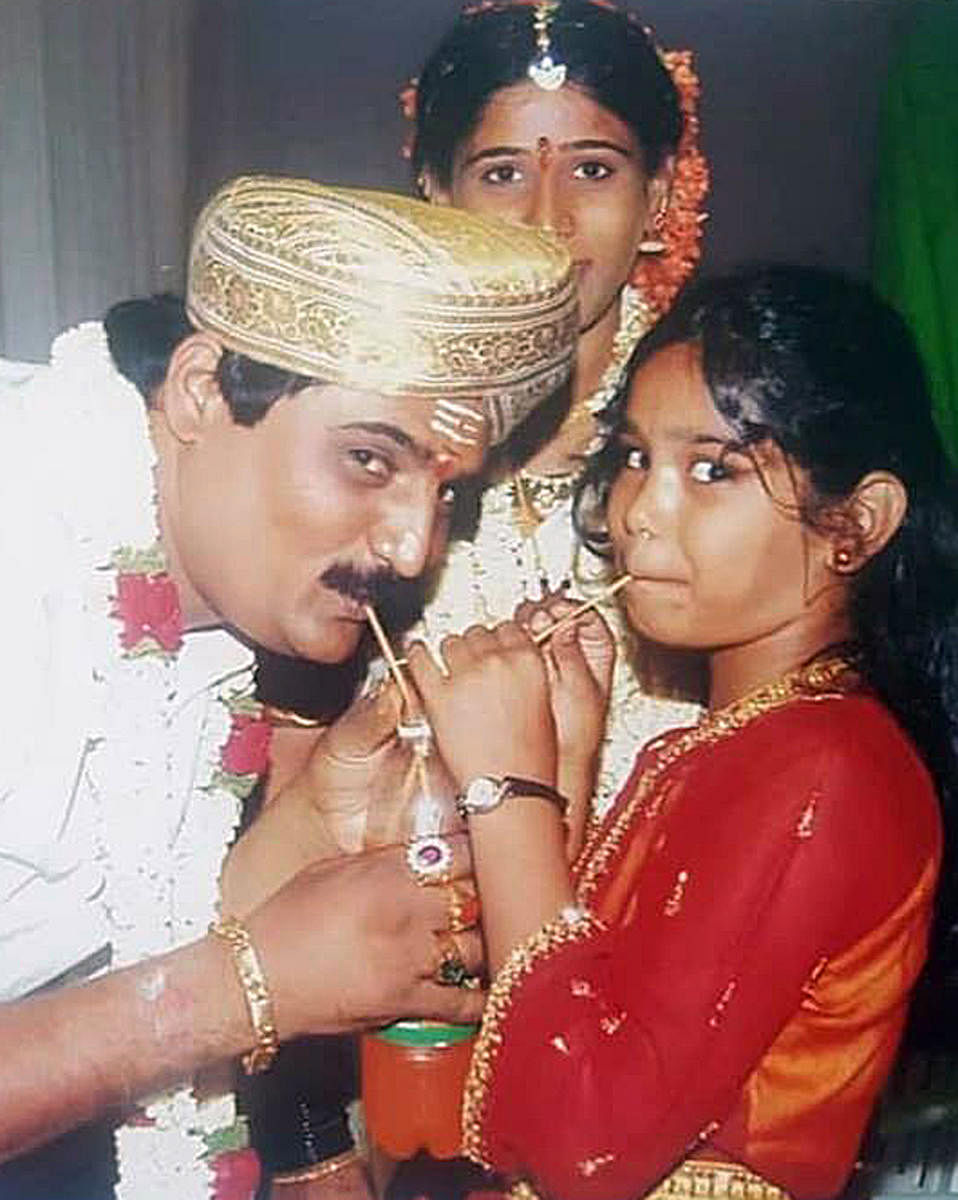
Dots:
pixel 460 424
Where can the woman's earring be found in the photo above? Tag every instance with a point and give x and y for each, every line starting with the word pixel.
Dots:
pixel 842 559
pixel 652 242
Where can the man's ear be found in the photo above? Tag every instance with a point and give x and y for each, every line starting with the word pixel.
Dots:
pixel 871 517
pixel 190 397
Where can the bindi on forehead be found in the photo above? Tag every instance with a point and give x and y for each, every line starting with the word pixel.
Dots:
pixel 544 151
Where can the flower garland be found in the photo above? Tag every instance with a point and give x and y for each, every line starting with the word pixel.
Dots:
pixel 172 737
pixel 658 277
pixel 202 1147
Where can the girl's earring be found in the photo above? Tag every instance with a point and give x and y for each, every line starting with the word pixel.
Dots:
pixel 843 559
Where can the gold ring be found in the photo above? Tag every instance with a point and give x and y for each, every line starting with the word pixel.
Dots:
pixel 463 908
pixel 430 859
pixel 451 970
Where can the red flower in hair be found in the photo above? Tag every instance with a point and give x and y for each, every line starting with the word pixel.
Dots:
pixel 149 607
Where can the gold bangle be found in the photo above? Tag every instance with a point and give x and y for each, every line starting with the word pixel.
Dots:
pixel 256 990
pixel 323 1170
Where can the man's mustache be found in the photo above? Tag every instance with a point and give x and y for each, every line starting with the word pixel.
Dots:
pixel 398 602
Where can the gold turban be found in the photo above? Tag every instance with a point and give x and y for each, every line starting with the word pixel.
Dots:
pixel 385 293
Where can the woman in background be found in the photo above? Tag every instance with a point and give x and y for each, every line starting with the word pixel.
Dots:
pixel 564 115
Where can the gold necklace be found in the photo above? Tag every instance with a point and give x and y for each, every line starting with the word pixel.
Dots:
pixel 819 680
pixel 536 496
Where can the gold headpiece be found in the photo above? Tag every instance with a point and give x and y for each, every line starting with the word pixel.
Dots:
pixel 387 294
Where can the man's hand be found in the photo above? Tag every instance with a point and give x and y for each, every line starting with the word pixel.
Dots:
pixel 352 942
pixel 354 792
pixel 347 943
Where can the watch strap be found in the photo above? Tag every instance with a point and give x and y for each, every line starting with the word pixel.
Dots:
pixel 515 785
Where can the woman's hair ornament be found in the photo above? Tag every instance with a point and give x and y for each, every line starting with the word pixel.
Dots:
pixel 544 71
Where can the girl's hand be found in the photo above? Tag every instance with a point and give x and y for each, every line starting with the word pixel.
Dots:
pixel 579 659
pixel 489 708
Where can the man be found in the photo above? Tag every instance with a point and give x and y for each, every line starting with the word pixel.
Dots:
pixel 354 356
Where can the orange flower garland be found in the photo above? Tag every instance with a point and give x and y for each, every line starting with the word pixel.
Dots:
pixel 658 277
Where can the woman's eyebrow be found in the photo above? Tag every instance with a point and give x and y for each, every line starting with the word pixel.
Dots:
pixel 597 144
pixel 577 144
pixel 495 152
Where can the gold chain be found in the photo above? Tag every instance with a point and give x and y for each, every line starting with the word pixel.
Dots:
pixel 535 496
pixel 819 680
pixel 288 718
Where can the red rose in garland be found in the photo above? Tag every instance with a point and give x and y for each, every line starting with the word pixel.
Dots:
pixel 147 603
pixel 149 607
pixel 245 753
pixel 247 748
pixel 236 1175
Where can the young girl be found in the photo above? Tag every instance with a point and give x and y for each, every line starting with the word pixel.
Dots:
pixel 708 1001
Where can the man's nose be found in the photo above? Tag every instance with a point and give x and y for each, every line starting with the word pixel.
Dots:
pixel 403 538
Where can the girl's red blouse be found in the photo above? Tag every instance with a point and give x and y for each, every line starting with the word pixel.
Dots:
pixel 762 913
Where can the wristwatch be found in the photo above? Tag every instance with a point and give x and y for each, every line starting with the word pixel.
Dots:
pixel 486 792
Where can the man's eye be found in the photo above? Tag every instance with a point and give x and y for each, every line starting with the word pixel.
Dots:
pixel 709 470
pixel 592 171
pixel 371 462
pixel 447 495
pixel 502 173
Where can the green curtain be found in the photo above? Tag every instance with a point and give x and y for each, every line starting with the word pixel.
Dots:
pixel 916 231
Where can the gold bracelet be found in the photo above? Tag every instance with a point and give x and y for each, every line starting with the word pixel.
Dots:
pixel 256 990
pixel 323 1170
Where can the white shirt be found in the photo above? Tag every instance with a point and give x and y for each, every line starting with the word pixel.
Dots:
pixel 109 829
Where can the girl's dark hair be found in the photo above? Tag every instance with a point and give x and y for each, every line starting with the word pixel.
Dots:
pixel 142 335
pixel 823 368
pixel 606 51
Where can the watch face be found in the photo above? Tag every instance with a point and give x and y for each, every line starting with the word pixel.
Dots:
pixel 482 793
